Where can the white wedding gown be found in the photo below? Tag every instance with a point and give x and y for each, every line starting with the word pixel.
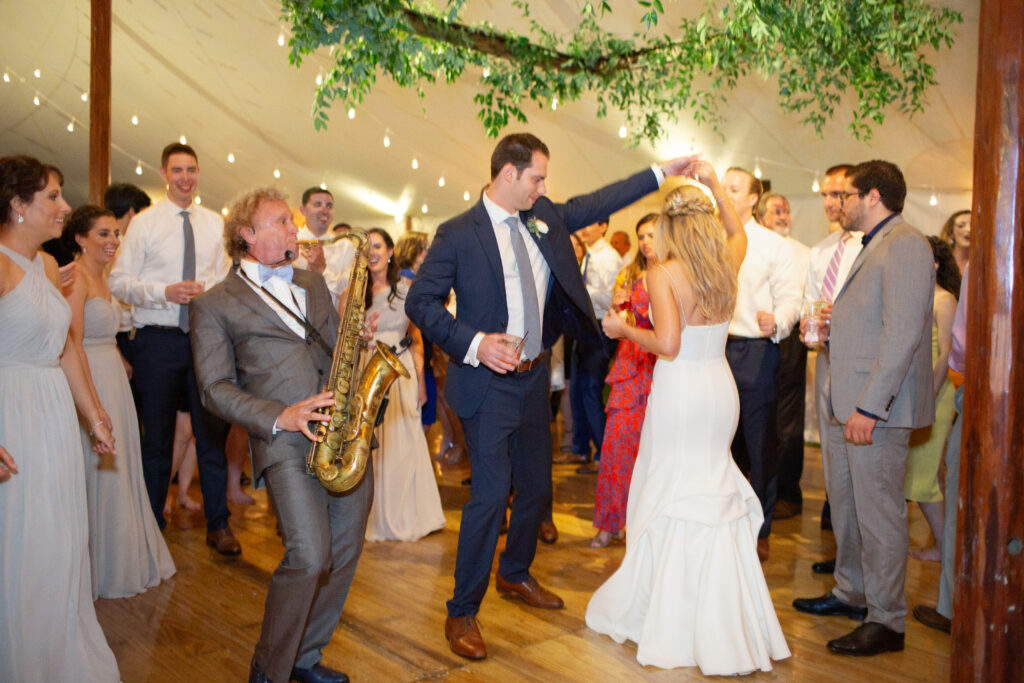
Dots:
pixel 690 590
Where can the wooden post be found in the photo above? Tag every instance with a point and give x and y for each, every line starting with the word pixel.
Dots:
pixel 99 102
pixel 988 610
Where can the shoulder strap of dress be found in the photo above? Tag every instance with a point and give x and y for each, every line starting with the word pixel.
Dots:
pixel 675 294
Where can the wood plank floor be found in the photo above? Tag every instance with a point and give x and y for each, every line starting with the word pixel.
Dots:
pixel 202 624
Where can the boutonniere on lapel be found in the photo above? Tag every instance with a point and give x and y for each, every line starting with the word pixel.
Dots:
pixel 536 227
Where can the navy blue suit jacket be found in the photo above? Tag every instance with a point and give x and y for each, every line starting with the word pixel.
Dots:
pixel 464 256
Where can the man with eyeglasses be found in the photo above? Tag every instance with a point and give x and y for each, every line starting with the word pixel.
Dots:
pixel 879 388
pixel 837 252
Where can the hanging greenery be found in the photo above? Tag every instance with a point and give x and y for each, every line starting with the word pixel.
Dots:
pixel 868 54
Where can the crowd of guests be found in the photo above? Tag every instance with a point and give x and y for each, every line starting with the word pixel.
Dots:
pixel 146 359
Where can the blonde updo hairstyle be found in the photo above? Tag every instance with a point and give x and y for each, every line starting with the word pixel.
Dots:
pixel 690 232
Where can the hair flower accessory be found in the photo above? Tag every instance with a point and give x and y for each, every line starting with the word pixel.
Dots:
pixel 537 227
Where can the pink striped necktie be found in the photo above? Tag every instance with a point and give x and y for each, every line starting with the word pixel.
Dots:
pixel 832 272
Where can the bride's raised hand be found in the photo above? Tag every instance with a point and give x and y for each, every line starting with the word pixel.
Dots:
pixel 703 172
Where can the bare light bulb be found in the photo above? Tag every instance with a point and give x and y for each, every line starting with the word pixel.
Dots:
pixel 622 131
pixel 199 200
pixel 71 126
pixel 465 196
pixel 280 38
pixel 323 186
pixel 277 173
pixel 85 96
pixel 35 99
pixel 231 158
pixel 440 181
pixel 351 113
pixel 135 120
pixel 138 168
pixel 423 208
pixel 182 140
pixel 37 73
pixel 387 140
pixel 415 163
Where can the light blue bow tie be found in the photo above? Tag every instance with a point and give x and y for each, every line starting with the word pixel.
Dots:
pixel 283 272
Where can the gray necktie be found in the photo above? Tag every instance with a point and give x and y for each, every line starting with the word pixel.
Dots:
pixel 531 309
pixel 188 270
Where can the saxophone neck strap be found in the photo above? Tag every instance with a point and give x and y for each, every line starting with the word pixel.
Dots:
pixel 311 332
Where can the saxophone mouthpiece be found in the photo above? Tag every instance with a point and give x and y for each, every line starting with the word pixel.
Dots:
pixel 289 254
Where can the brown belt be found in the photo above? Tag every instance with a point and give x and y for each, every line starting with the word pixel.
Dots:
pixel 528 365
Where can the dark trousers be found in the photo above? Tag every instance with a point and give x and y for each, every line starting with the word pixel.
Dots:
pixel 790 392
pixel 509 440
pixel 163 374
pixel 755 446
pixel 586 390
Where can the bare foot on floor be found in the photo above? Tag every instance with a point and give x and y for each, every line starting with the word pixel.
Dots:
pixel 930 554
pixel 188 503
pixel 239 497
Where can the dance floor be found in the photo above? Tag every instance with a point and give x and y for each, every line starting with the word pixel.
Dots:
pixel 202 624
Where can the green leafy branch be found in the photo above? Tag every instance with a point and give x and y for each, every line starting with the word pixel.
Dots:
pixel 821 52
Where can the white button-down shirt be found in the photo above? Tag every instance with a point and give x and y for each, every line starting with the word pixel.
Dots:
pixel 600 267
pixel 153 254
pixel 338 260
pixel 767 282
pixel 513 288
pixel 290 294
pixel 801 259
pixel 821 255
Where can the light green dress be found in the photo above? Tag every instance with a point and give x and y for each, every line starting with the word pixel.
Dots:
pixel 926 444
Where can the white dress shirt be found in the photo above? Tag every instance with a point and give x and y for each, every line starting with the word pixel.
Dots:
pixel 152 257
pixel 821 255
pixel 513 289
pixel 801 259
pixel 290 294
pixel 338 259
pixel 600 267
pixel 767 282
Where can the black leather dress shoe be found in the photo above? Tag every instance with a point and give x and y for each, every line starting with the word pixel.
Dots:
pixel 256 674
pixel 824 567
pixel 318 673
pixel 829 604
pixel 868 639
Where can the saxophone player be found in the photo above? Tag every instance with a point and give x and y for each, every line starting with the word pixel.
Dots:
pixel 262 346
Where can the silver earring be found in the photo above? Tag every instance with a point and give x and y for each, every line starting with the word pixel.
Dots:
pixel 21 219
pixel 389 259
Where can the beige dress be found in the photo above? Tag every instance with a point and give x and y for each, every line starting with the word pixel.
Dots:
pixel 48 627
pixel 126 548
pixel 406 503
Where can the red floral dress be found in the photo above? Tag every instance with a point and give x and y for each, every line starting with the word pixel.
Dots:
pixel 630 381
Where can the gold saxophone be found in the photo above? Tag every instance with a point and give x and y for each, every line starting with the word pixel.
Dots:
pixel 342 446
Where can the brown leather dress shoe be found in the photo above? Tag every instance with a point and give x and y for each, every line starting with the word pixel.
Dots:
pixel 930 617
pixel 785 509
pixel 762 549
pixel 531 592
pixel 547 532
pixel 223 541
pixel 463 635
pixel 870 638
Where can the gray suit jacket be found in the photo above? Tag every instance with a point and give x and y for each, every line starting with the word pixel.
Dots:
pixel 250 365
pixel 880 355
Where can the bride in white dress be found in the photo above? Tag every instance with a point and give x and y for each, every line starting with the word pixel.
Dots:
pixel 690 590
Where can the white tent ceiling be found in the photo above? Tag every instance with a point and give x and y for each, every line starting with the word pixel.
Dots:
pixel 213 71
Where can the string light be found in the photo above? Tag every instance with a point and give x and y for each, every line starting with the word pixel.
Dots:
pixel 135 119
pixel 554 104
pixel 224 211
pixel 85 97
pixel 440 181
pixel 182 140
pixel 37 73
pixel 815 187
pixel 487 72
pixel 231 158
pixel 35 100
pixel 277 173
pixel 351 113
pixel 757 168
pixel 138 168
pixel 199 200
pixel 280 38
pixel 423 208
pixel 415 163
pixel 465 196
pixel 622 131
pixel 387 139
pixel 71 126
pixel 7 77
pixel 933 200
pixel 319 78
pixel 323 186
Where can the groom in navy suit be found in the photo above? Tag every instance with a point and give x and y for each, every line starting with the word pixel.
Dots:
pixel 512 266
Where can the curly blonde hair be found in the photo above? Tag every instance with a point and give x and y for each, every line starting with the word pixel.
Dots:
pixel 408 248
pixel 240 216
pixel 690 232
